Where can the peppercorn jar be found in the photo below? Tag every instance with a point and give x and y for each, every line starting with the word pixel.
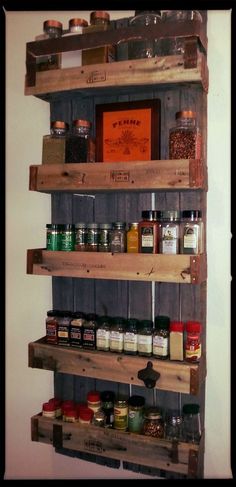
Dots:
pixel 175 45
pixel 191 232
pixel 169 232
pixel 108 398
pixel 117 334
pixel 160 345
pixel 80 236
pixel 153 424
pixel 185 138
pixel 191 423
pixel 89 331
pixel 193 341
pixel 79 143
pixel 131 337
pixel 71 59
pixel 118 237
pixel 145 332
pixel 135 413
pixel 148 229
pixel 132 238
pixel 99 21
pixel 91 240
pixel 144 47
pixel 103 333
pixel 104 237
pixel 52 29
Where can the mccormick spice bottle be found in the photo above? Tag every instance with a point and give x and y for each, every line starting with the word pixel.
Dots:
pixel 193 341
pixel 99 21
pixel 63 330
pixel 144 47
pixel 191 232
pixel 149 232
pixel 72 59
pixel 185 138
pixel 52 326
pixel 80 146
pixel 52 29
pixel 94 401
pixel 76 329
pixel 54 145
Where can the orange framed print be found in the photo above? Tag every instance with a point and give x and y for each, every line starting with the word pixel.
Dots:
pixel 128 131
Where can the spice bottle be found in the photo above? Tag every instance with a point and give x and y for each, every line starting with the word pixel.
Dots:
pixel 52 29
pixel 72 59
pixel 51 326
pixel 49 410
pixel 54 145
pixel 76 329
pixel 169 232
pixel 68 237
pixel 104 237
pixel 144 47
pixel 85 415
pixel 94 401
pixel 135 413
pixel 160 346
pixel 57 403
pixel 118 237
pixel 193 341
pixel 108 398
pixel 174 426
pixel 131 337
pixel 191 423
pixel 153 424
pixel 103 333
pixel 91 240
pixel 80 237
pixel 175 45
pixel 117 334
pixel 132 238
pixel 53 236
pixel 99 21
pixel 63 330
pixel 191 232
pixel 185 138
pixel 176 340
pixel 145 331
pixel 121 414
pixel 89 332
pixel 80 146
pixel 149 232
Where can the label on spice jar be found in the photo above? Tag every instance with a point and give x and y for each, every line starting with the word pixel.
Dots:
pixel 147 237
pixel 169 240
pixel 145 343
pixel 116 341
pixel 103 337
pixel 160 346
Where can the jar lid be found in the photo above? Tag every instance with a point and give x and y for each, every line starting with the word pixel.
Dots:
pixel 78 122
pixel 152 413
pixel 78 314
pixel 86 413
pixel 118 225
pixel 99 14
pixel 185 114
pixel 59 124
pixel 140 12
pixel 93 396
pixel 55 401
pixel 104 319
pixel 137 401
pixel 191 214
pixel 91 316
pixel 162 322
pixel 177 326
pixel 52 23
pixel 118 320
pixel 80 22
pixel 48 406
pixel 80 225
pixel 105 226
pixel 191 408
pixel 92 225
pixel 53 226
pixel 53 312
pixel 71 413
pixel 132 323
pixel 68 226
pixel 193 326
pixel 151 215
pixel 107 396
pixel 171 215
pixel 146 323
pixel 133 224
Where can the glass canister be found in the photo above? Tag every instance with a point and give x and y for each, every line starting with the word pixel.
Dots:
pixel 118 237
pixel 193 341
pixel 92 237
pixel 70 59
pixel 153 424
pixel 54 145
pixel 174 426
pixel 135 413
pixel 132 238
pixel 79 142
pixel 148 229
pixel 103 333
pixel 191 423
pixel 117 334
pixel 80 236
pixel 144 47
pixel 176 45
pixel 145 332
pixel 160 345
pixel 169 232
pixel 131 337
pixel 185 138
pixel 104 237
pixel 52 29
pixel 99 21
pixel 191 232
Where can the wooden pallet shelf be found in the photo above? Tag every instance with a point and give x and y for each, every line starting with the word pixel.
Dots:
pixel 178 457
pixel 183 269
pixel 175 175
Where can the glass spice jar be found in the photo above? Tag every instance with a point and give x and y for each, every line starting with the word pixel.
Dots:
pixel 153 424
pixel 174 426
pixel 90 330
pixel 54 145
pixel 117 334
pixel 131 337
pixel 49 410
pixel 118 237
pixel 91 244
pixel 52 326
pixel 145 331
pixel 144 47
pixel 76 329
pixel 185 138
pixel 52 29
pixel 135 413
pixel 191 232
pixel 160 345
pixel 53 236
pixel 79 143
pixel 193 341
pixel 169 232
pixel 70 59
pixel 108 398
pixel 103 333
pixel 148 230
pixel 175 45
pixel 121 414
pixel 99 21
pixel 104 237
pixel 94 401
pixel 63 330
pixel 132 238
pixel 80 237
pixel 191 423
pixel 68 237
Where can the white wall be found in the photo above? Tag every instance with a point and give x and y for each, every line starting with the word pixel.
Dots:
pixel 28 297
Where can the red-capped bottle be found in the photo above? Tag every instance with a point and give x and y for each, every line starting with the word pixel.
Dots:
pixel 193 341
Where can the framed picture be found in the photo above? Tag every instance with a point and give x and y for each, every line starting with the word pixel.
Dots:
pixel 128 131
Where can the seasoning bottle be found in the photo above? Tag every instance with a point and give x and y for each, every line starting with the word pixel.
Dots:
pixel 70 59
pixel 99 419
pixel 118 237
pixel 99 21
pixel 191 232
pixel 135 413
pixel 54 145
pixel 66 405
pixel 144 47
pixel 193 341
pixel 174 426
pixel 57 403
pixel 51 326
pixel 52 29
pixel 104 237
pixel 121 414
pixel 176 340
pixel 153 424
pixel 63 330
pixel 89 332
pixel 169 232
pixel 160 346
pixel 79 143
pixel 185 138
pixel 76 329
pixel 53 236
pixel 191 423
pixel 91 244
pixel 103 333
pixel 94 401
pixel 70 415
pixel 108 398
pixel 175 45
pixel 68 237
pixel 117 334
pixel 80 237
pixel 85 415
pixel 49 410
pixel 149 232
pixel 132 238
pixel 131 337
pixel 145 331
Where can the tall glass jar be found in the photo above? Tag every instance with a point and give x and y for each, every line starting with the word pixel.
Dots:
pixel 191 423
pixel 79 142
pixel 70 59
pixel 169 232
pixel 185 138
pixel 160 346
pixel 176 45
pixel 99 21
pixel 145 47
pixel 191 232
pixel 52 29
pixel 54 145
pixel 174 426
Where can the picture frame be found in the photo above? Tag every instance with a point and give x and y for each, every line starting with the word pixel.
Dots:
pixel 128 131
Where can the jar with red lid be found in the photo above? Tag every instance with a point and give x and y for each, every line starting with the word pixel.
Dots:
pixel 57 403
pixel 193 341
pixel 71 415
pixel 49 410
pixel 85 415
pixel 94 401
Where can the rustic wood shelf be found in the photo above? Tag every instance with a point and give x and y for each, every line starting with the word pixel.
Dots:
pixel 184 269
pixel 174 376
pixel 175 175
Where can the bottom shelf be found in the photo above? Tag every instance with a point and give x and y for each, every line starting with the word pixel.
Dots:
pixel 179 457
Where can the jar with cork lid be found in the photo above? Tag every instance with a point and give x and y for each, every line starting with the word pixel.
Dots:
pixel 185 137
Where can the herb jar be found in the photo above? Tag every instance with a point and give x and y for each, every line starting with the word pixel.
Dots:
pixel 132 238
pixel 103 333
pixel 175 45
pixel 104 237
pixel 144 47
pixel 54 145
pixel 169 232
pixel 153 424
pixel 117 334
pixel 191 232
pixel 52 326
pixel 118 237
pixel 191 423
pixel 148 229
pixel 53 236
pixel 185 138
pixel 160 346
pixel 79 142
pixel 92 237
pixel 68 237
pixel 99 21
pixel 90 330
pixel 135 413
pixel 121 414
pixel 108 398
pixel 80 237
pixel 145 331
pixel 71 59
pixel 131 337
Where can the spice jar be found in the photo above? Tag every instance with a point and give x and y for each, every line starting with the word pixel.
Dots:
pixel 68 237
pixel 91 244
pixel 51 326
pixel 103 333
pixel 191 423
pixel 135 413
pixel 145 331
pixel 52 29
pixel 72 59
pixel 118 237
pixel 89 332
pixel 121 414
pixel 149 232
pixel 63 330
pixel 107 398
pixel 174 426
pixel 176 340
pixel 117 334
pixel 99 419
pixel 104 237
pixel 71 415
pixel 193 341
pixel 76 329
pixel 131 337
pixel 99 21
pixel 85 415
pixel 175 45
pixel 185 138
pixel 57 403
pixel 54 145
pixel 79 143
pixel 191 232
pixel 80 237
pixel 49 410
pixel 132 238
pixel 160 346
pixel 53 236
pixel 153 424
pixel 58 128
pixel 94 401
pixel 169 232
pixel 144 47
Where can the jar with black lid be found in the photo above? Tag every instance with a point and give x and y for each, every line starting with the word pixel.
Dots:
pixel 160 346
pixel 144 47
pixel 107 406
pixel 76 329
pixel 169 232
pixel 80 236
pixel 145 331
pixel 135 413
pixel 149 232
pixel 68 237
pixel 103 333
pixel 191 232
pixel 117 334
pixel 131 336
pixel 89 332
pixel 104 237
pixel 53 236
pixel 52 326
pixel 92 237
pixel 63 330
pixel 79 143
